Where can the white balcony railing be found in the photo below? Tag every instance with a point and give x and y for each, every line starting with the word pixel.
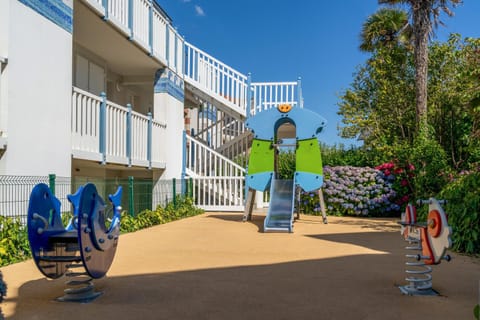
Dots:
pixel 85 124
pixel 143 23
pixel 107 132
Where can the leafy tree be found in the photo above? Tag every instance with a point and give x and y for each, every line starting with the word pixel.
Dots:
pixel 425 15
pixel 454 104
pixel 376 107
pixel 385 28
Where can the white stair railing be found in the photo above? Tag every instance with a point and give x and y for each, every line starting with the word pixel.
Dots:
pixel 219 193
pixel 204 161
pixel 216 78
pixel 238 148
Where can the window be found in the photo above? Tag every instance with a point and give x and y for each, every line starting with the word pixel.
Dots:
pixel 89 76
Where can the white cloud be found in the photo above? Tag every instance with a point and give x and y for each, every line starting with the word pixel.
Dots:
pixel 186 1
pixel 199 11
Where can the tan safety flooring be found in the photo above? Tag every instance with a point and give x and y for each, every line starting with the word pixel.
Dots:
pixel 215 267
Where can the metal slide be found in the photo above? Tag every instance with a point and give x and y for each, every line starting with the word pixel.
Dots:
pixel 280 211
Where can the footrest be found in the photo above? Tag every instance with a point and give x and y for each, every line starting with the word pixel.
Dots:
pixel 60 258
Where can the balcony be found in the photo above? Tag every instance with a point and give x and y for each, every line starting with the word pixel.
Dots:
pixel 106 132
pixel 108 28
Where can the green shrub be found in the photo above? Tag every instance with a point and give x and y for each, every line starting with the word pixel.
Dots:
pixel 3 293
pixel 431 167
pixel 463 210
pixel 182 208
pixel 14 246
pixel 286 164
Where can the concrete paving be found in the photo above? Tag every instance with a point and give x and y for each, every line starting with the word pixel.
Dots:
pixel 214 266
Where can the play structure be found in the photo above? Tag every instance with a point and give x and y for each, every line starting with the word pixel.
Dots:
pixel 261 171
pixel 89 241
pixel 431 239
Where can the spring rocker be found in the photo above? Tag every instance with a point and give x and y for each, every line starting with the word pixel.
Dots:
pixel 89 241
pixel 431 238
pixel 261 163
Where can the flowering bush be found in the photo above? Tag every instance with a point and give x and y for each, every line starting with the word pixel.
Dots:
pixel 401 177
pixel 353 191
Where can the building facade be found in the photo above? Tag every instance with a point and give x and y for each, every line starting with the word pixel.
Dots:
pixel 102 89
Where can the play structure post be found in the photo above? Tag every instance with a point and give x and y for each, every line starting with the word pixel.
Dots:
pixel 299 93
pixel 322 205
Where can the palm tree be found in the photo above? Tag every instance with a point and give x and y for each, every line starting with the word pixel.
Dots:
pixel 385 28
pixel 425 17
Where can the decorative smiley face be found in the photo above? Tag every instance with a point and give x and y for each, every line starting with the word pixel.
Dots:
pixel 283 108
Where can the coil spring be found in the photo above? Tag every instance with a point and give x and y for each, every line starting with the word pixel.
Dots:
pixel 418 273
pixel 80 286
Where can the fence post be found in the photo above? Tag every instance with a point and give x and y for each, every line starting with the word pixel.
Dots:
pixel 184 161
pixel 51 182
pixel 192 150
pixel 130 18
pixel 167 45
pixel 150 27
pixel 249 96
pixel 174 192
pixel 130 196
pixel 105 6
pixel 103 127
pixel 190 182
pixel 149 140
pixel 129 134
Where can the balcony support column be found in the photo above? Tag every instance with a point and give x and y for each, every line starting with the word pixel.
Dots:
pixel 168 107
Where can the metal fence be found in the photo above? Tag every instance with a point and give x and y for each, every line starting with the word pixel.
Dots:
pixel 138 194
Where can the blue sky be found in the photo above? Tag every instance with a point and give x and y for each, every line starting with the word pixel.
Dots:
pixel 282 40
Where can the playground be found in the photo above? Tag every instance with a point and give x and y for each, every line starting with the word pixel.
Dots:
pixel 213 266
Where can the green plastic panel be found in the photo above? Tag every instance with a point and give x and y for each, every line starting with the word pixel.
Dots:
pixel 261 157
pixel 309 158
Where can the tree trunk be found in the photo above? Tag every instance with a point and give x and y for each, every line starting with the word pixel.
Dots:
pixel 421 27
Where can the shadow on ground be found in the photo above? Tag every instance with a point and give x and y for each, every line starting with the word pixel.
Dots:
pixel 346 287
pixel 256 219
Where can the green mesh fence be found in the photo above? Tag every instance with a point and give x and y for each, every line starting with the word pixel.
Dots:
pixel 138 194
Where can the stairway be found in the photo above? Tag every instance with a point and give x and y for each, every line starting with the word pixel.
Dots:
pixel 217 147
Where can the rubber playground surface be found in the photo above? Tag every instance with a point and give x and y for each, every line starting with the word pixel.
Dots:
pixel 214 266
